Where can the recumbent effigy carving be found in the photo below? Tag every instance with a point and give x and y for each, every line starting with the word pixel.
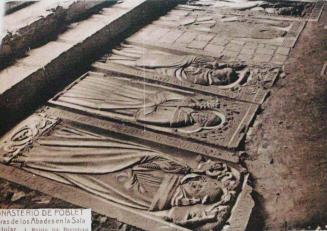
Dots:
pixel 282 8
pixel 162 109
pixel 206 74
pixel 248 28
pixel 130 174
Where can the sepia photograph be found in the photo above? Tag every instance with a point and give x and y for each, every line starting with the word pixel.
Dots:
pixel 159 115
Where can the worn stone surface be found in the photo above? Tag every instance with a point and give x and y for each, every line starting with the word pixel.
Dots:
pixel 205 27
pixel 301 10
pixel 184 114
pixel 251 83
pixel 153 197
pixel 162 118
pixel 92 35
pixel 38 23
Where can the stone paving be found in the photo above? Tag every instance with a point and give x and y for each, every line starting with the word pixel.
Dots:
pixel 153 134
pixel 237 38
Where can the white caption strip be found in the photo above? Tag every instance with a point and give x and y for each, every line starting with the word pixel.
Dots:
pixel 45 219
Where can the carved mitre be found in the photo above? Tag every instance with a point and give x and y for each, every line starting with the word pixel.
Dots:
pixel 205 197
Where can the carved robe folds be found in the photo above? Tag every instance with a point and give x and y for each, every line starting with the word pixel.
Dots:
pixel 133 175
pixel 159 109
pixel 194 69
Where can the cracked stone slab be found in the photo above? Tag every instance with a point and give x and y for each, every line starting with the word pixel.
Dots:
pixel 79 164
pixel 223 38
pixel 165 66
pixel 160 112
pixel 307 10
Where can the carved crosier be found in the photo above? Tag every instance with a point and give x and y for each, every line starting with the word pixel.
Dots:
pixel 135 176
pixel 160 110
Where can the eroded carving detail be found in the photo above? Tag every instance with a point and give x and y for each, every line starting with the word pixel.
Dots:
pixel 137 176
pixel 235 80
pixel 157 108
pixel 282 8
pixel 247 28
pixel 22 137
pixel 194 69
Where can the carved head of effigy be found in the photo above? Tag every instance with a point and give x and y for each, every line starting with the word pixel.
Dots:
pixel 207 118
pixel 224 76
pixel 201 189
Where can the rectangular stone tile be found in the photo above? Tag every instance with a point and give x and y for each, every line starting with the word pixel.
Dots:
pixel 230 53
pixel 244 57
pixel 150 34
pixel 238 42
pixel 247 51
pixel 265 51
pixel 279 59
pixel 283 50
pixel 204 37
pixel 211 48
pixel 197 44
pixel 261 57
pixel 186 37
pixel 171 36
pixel 143 35
pixel 158 33
pixel 234 47
pixel 261 45
pixel 270 47
pixel 218 40
pixel 250 45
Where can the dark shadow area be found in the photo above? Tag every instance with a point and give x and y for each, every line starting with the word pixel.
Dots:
pixel 15 107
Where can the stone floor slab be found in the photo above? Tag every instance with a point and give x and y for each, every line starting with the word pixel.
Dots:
pixel 92 186
pixel 131 61
pixel 307 10
pixel 110 96
pixel 233 36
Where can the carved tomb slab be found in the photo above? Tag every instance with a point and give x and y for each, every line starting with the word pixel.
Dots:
pixel 202 74
pixel 309 10
pixel 135 182
pixel 227 36
pixel 163 110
